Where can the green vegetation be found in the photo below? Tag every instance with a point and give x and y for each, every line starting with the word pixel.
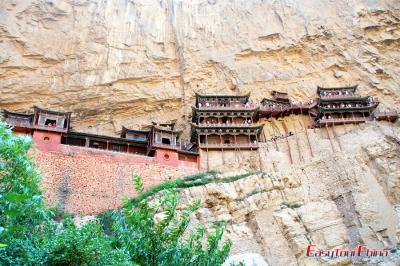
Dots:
pixel 2 58
pixel 30 234
pixel 190 181
pixel 291 205
pixel 162 243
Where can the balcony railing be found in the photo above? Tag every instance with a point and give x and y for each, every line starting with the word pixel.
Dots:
pixel 343 120
pixel 349 108
pixel 19 123
pixel 228 145
pixel 228 125
pixel 166 146
pixel 351 96
pixel 228 107
pixel 290 107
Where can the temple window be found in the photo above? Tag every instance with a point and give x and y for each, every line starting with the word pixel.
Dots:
pixel 166 141
pixel 137 137
pixel 50 123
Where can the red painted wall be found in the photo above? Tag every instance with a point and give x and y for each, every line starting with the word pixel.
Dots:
pixel 47 141
pixel 167 157
pixel 172 158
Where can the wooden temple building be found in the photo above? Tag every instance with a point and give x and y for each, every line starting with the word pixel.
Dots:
pixel 40 119
pixel 50 128
pixel 280 105
pixel 225 122
pixel 219 122
pixel 342 105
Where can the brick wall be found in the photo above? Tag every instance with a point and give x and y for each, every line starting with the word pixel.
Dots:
pixel 88 181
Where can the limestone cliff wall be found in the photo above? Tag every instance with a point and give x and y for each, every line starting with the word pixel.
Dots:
pixel 126 62
pixel 347 193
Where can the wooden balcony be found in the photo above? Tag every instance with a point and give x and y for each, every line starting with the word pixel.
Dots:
pixel 341 97
pixel 228 107
pixel 390 116
pixel 166 146
pixel 177 148
pixel 348 108
pixel 230 125
pixel 228 145
pixel 342 121
pixel 283 110
pixel 19 123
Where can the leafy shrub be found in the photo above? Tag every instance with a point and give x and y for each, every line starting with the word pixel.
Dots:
pixel 163 243
pixel 29 234
pixel 87 245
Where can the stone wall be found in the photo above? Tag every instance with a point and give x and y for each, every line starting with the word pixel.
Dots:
pixel 88 181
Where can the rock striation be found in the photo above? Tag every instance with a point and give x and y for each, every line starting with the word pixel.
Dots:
pixel 119 63
pixel 335 200
pixel 129 62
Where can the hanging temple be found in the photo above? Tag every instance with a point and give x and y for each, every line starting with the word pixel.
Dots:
pixel 219 122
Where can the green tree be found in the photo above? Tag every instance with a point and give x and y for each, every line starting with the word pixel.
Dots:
pixel 28 232
pixel 166 242
pixel 22 210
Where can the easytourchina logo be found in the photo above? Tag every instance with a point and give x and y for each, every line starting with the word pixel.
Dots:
pixel 360 251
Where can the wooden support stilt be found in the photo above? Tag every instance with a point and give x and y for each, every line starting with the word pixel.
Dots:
pixel 330 139
pixel 287 142
pixel 306 131
pixel 352 116
pixel 344 124
pixel 308 141
pixel 273 129
pixel 222 149
pixel 208 163
pixel 240 157
pixel 311 121
pixel 298 147
pixel 236 150
pixel 297 143
pixel 336 137
pixel 259 154
pixel 265 138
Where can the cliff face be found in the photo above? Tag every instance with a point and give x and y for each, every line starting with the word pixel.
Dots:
pixel 345 194
pixel 127 62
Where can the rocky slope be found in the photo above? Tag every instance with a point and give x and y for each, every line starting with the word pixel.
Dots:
pixel 337 199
